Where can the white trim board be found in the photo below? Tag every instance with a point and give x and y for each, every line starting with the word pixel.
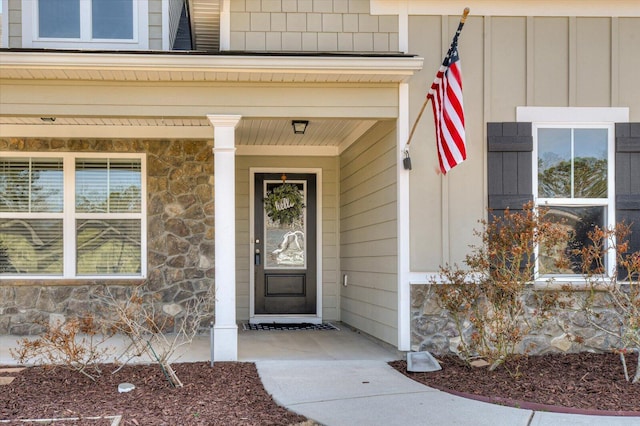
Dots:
pixel 403 230
pixel 627 8
pixel 572 114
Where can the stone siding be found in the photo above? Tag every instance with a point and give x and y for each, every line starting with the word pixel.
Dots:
pixel 434 330
pixel 180 235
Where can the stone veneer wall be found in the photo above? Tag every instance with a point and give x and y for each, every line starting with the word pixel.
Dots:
pixel 180 234
pixel 433 329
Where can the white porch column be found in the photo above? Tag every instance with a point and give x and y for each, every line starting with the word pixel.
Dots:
pixel 225 329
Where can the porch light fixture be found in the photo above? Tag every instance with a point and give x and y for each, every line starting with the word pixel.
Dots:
pixel 299 126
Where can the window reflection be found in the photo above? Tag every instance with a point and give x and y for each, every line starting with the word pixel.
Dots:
pixel 578 222
pixel 285 244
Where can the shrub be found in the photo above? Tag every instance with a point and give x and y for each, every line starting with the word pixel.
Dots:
pixel 75 344
pixel 149 329
pixel 620 282
pixel 488 293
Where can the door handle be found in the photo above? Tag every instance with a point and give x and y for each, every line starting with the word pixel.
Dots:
pixel 256 257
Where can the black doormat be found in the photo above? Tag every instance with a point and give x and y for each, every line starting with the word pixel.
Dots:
pixel 288 327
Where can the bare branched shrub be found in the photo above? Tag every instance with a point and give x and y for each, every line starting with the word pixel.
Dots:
pixel 488 293
pixel 152 332
pixel 76 344
pixel 620 282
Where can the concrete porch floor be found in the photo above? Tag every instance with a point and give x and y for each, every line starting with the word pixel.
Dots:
pixel 253 346
pixel 342 344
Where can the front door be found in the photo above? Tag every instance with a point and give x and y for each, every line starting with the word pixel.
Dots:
pixel 285 244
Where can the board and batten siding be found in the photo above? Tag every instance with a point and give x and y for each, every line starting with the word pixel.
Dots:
pixel 368 233
pixel 330 272
pixel 507 62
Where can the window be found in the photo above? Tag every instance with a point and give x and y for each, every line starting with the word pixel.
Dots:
pixel 556 156
pixel 72 216
pixel 103 24
pixel 573 177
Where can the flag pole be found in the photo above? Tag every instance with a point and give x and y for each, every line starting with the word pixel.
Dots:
pixel 463 19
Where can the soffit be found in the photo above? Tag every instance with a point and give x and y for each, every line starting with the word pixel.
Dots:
pixel 254 132
pixel 42 65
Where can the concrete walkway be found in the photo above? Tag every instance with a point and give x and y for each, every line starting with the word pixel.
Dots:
pixel 342 378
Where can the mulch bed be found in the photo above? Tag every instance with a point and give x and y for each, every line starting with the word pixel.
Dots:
pixel 584 383
pixel 227 394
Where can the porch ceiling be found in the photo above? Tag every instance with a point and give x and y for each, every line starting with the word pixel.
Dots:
pixel 251 132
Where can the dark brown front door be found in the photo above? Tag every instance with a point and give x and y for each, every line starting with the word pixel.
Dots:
pixel 285 253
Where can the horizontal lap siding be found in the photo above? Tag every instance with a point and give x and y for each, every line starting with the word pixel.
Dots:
pixel 368 233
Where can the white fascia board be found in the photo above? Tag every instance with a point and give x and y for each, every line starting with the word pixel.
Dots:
pixel 402 66
pixel 591 8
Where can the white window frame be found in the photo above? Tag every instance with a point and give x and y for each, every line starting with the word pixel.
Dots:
pixel 69 215
pixel 140 40
pixel 608 202
pixel 575 116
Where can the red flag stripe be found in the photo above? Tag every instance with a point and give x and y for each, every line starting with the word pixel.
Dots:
pixel 448 111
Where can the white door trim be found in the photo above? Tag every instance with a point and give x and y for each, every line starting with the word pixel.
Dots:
pixel 317 318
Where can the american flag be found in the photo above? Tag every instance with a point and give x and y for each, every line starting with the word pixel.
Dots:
pixel 448 111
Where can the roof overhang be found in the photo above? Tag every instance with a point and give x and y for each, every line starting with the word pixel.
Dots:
pixel 112 66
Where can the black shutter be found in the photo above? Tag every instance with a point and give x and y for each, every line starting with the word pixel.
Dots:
pixel 509 164
pixel 628 179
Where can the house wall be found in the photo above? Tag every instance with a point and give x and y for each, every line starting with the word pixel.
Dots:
pixel 506 62
pixel 14 28
pixel 330 259
pixel 368 233
pixel 311 26
pixel 565 331
pixel 155 24
pixel 195 99
pixel 180 224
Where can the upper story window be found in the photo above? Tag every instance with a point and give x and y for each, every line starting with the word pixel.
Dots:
pixel 72 216
pixel 86 24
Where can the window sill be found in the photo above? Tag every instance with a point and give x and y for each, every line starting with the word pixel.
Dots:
pixel 572 283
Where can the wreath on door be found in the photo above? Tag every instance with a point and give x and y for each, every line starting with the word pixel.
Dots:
pixel 284 204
